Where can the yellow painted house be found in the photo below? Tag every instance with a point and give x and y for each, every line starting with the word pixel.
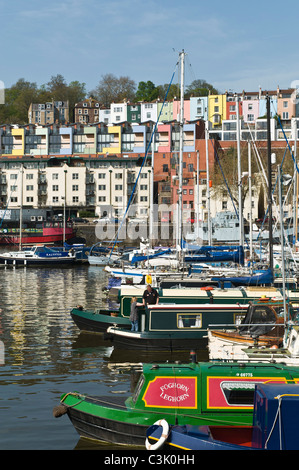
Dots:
pixel 115 142
pixel 217 109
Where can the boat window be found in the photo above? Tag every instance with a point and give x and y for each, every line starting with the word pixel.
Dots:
pixel 238 394
pixel 138 388
pixel 189 321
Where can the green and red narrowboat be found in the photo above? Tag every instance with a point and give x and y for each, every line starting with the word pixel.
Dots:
pixel 191 394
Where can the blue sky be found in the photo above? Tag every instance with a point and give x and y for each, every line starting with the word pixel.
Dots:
pixel 233 45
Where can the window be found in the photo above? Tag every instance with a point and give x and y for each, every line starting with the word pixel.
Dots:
pixel 285 115
pixel 189 321
pixel 75 199
pixel 285 104
pixel 143 198
pixel 55 187
pixel 232 108
pixel 102 176
pixel 29 187
pixel 75 187
pixel 250 106
pixel 224 204
pixel 29 176
pixel 250 117
pixel 143 187
pixel 75 176
pixel 102 198
pixel 13 199
pixel 118 199
pixel 118 176
pixel 55 176
pixel 118 187
pixel 13 176
pixel 102 187
pixel 29 199
pixel 14 188
pixel 144 175
pixel 216 109
pixel 55 199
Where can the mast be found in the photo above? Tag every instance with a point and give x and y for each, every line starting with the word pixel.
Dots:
pixel 241 231
pixel 180 215
pixel 151 218
pixel 208 183
pixel 21 209
pixel 295 196
pixel 282 242
pixel 250 195
pixel 269 184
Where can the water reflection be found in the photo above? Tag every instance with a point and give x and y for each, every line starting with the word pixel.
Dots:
pixel 46 355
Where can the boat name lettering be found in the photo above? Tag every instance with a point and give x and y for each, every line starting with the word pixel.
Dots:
pixel 174 385
pixel 245 374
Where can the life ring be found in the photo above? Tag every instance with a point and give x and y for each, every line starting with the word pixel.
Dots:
pixel 148 279
pixel 207 288
pixel 164 435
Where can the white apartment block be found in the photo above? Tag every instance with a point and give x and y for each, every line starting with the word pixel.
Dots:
pixel 106 188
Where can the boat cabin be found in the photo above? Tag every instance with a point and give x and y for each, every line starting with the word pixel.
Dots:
pixel 206 389
pixel 188 317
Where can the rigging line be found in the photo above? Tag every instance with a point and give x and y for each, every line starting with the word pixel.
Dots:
pixel 143 162
pixel 237 214
pixel 286 139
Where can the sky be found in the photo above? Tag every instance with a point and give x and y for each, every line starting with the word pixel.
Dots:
pixel 233 45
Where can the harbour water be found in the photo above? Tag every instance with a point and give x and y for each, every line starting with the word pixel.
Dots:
pixel 45 355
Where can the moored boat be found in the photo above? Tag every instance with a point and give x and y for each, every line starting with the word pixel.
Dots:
pixel 263 326
pixel 37 256
pixel 188 394
pixel 50 232
pixel 274 426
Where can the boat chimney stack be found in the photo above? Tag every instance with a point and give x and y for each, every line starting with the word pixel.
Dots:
pixel 193 357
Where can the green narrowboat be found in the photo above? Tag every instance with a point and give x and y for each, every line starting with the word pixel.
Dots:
pixel 97 321
pixel 195 394
pixel 173 327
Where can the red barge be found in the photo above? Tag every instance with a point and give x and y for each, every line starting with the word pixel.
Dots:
pixel 50 232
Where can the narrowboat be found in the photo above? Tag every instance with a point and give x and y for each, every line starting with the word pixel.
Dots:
pixel 197 394
pixel 169 327
pixel 274 426
pixel 98 320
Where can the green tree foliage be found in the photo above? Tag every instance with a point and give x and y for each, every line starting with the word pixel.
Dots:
pixel 147 91
pixel 114 90
pixel 200 88
pixel 20 95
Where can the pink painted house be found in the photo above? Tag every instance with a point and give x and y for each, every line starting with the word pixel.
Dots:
pixel 250 110
pixel 176 110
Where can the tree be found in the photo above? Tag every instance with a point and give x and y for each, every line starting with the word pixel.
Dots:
pixel 173 91
pixel 17 102
pixel 114 90
pixel 200 88
pixel 57 87
pixel 147 91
